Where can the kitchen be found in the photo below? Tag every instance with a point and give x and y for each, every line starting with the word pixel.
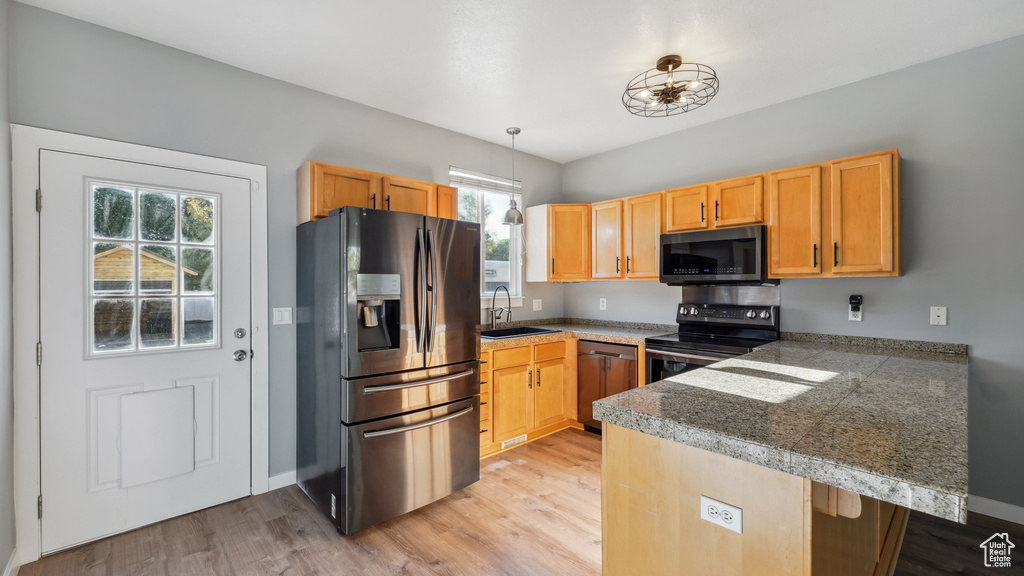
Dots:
pixel 958 173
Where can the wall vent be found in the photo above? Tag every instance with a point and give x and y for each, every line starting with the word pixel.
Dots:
pixel 517 440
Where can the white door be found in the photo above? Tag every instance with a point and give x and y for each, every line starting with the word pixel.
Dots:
pixel 144 301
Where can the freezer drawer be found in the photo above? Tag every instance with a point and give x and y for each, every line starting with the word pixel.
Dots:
pixel 364 399
pixel 397 465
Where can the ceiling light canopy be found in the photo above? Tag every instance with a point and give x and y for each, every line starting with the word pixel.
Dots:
pixel 671 87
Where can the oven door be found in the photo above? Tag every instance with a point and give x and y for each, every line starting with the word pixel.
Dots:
pixel 662 364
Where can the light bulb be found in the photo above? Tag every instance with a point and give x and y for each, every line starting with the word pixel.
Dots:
pixel 645 94
pixel 652 103
pixel 669 81
pixel 695 85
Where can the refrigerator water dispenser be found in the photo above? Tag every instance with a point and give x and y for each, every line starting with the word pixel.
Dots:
pixel 379 300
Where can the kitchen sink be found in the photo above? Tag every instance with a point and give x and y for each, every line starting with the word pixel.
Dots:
pixel 502 333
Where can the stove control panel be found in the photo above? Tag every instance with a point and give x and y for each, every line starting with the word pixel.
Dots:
pixel 719 314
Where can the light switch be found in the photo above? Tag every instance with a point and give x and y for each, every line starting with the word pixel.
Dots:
pixel 283 315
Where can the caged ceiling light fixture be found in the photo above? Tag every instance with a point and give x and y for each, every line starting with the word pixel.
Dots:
pixel 671 87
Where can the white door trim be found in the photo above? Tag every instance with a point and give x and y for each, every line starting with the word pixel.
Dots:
pixel 26 144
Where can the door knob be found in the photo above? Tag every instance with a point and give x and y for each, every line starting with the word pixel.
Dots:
pixel 239 355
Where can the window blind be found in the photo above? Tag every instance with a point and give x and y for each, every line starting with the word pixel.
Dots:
pixel 462 178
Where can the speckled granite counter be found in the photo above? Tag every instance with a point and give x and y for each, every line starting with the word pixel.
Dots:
pixel 617 333
pixel 886 423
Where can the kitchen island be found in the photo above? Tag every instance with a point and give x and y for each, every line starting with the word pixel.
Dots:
pixel 823 445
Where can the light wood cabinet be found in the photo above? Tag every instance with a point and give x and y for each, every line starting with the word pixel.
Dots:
pixel 407 195
pixel 738 202
pixel 835 219
pixel 447 202
pixel 512 393
pixel 643 236
pixel 606 236
pixel 549 393
pixel 558 242
pixel 794 222
pixel 863 211
pixel 325 187
pixel 686 209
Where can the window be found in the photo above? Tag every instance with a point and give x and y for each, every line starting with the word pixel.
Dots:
pixel 484 199
pixel 153 269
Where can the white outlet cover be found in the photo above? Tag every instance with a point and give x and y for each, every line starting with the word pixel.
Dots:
pixel 536 304
pixel 856 316
pixel 725 515
pixel 937 316
pixel 602 303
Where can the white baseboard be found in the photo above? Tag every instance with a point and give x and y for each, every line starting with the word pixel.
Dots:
pixel 12 564
pixel 996 509
pixel 282 480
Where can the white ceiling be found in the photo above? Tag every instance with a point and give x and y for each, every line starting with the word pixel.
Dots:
pixel 557 68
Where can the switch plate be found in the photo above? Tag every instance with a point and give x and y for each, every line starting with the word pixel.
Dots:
pixel 536 305
pixel 602 303
pixel 938 316
pixel 857 316
pixel 283 315
pixel 722 514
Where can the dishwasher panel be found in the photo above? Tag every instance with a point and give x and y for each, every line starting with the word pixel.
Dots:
pixel 603 370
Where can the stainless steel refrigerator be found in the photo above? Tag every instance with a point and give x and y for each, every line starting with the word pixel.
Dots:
pixel 388 348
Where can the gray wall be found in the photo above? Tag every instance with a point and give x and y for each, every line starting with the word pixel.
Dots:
pixel 6 326
pixel 963 204
pixel 76 77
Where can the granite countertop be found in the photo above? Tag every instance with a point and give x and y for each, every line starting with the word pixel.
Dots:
pixel 615 332
pixel 888 423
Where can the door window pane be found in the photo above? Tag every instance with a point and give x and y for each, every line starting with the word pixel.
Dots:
pixel 156 323
pixel 197 219
pixel 113 268
pixel 157 213
pixel 198 315
pixel 113 212
pixel 158 270
pixel 197 267
pixel 112 325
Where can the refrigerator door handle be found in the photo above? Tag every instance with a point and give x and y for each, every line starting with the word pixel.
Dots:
pixel 417 383
pixel 433 288
pixel 421 294
pixel 418 425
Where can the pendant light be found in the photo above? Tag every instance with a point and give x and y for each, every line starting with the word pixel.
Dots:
pixel 513 217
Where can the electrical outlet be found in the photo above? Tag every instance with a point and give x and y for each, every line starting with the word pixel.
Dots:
pixel 856 315
pixel 938 316
pixel 722 514
pixel 602 303
pixel 536 305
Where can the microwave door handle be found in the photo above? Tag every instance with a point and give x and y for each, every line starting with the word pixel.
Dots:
pixel 421 291
pixel 418 425
pixel 432 256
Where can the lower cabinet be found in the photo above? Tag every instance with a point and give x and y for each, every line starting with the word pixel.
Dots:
pixel 528 389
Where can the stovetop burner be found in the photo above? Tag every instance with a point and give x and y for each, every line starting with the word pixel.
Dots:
pixel 719 328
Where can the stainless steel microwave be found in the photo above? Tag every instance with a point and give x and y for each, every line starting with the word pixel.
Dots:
pixel 727 256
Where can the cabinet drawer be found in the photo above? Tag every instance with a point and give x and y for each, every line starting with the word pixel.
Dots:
pixel 511 357
pixel 550 350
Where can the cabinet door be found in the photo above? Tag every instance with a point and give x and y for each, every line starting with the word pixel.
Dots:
pixel 794 222
pixel 606 234
pixel 569 241
pixel 406 195
pixel 739 201
pixel 337 186
pixel 549 393
pixel 510 393
pixel 862 214
pixel 447 202
pixel 643 236
pixel 686 209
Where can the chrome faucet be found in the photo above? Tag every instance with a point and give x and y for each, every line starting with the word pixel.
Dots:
pixel 497 312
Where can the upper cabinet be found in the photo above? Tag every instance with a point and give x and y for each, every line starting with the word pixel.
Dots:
pixel 325 187
pixel 557 242
pixel 447 202
pixel 643 236
pixel 835 219
pixel 606 237
pixel 794 222
pixel 686 208
pixel 738 202
pixel 863 209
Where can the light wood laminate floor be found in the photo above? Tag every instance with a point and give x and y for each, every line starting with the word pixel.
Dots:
pixel 535 510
